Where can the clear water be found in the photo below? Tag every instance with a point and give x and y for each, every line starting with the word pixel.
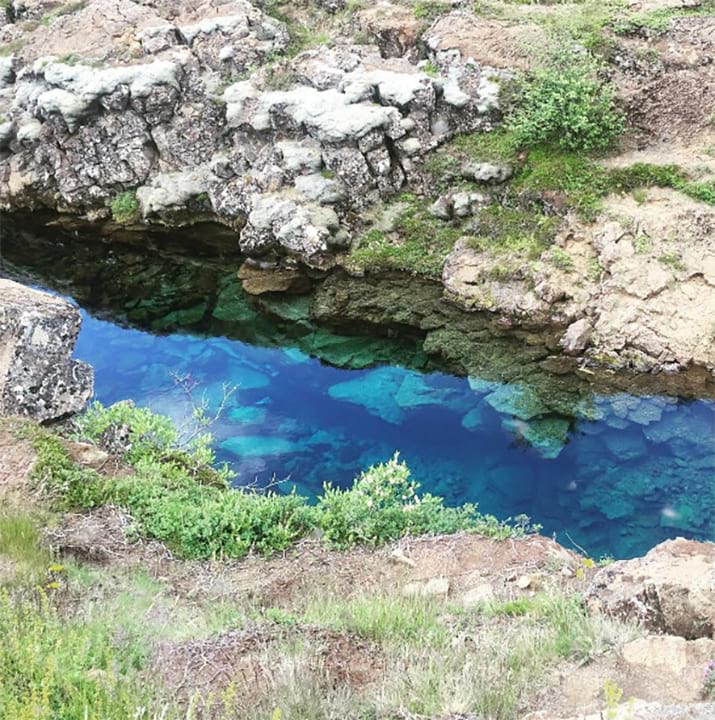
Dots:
pixel 616 475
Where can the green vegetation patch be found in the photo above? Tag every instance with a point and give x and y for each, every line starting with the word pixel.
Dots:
pixel 52 667
pixel 566 104
pixel 524 232
pixel 420 243
pixel 580 181
pixel 643 175
pixel 176 497
pixel 125 207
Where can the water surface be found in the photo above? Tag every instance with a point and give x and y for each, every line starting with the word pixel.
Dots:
pixel 612 472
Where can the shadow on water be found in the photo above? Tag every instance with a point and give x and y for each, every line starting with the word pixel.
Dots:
pixel 338 378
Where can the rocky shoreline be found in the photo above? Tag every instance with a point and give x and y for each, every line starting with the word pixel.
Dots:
pixel 215 119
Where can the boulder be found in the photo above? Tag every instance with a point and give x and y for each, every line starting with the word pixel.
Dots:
pixel 669 590
pixel 38 377
pixel 577 336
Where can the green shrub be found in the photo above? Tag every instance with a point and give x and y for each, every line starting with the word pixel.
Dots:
pixel 384 504
pixel 125 207
pixel 567 104
pixel 169 502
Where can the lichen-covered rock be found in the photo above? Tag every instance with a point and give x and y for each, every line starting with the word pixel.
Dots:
pixel 38 377
pixel 669 590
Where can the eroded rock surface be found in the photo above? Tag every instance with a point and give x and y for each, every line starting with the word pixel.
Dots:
pixel 38 377
pixel 669 590
pixel 187 113
pixel 625 291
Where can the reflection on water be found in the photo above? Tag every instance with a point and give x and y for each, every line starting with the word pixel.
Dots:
pixel 612 471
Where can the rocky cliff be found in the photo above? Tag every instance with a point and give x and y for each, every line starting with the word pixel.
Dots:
pixel 298 129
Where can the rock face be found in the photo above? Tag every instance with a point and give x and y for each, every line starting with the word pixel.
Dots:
pixel 669 590
pixel 282 155
pixel 623 293
pixel 38 377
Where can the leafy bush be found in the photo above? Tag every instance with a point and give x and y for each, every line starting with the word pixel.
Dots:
pixel 567 104
pixel 169 502
pixel 383 504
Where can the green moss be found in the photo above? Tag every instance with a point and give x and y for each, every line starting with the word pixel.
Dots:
pixel 672 260
pixel 125 207
pixel 644 175
pixel 430 9
pixel 68 9
pixel 642 244
pixel 500 145
pixel 581 180
pixel 658 22
pixel 12 47
pixel 420 243
pixel 526 233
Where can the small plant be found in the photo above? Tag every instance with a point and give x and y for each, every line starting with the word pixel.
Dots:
pixel 429 9
pixel 125 207
pixel 642 244
pixel 567 104
pixel 640 195
pixel 612 695
pixel 561 259
pixel 595 270
pixel 429 68
pixel 384 504
pixel 672 260
pixel 709 681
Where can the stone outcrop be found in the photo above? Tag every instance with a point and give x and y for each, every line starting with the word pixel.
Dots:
pixel 283 156
pixel 669 590
pixel 38 377
pixel 175 114
pixel 624 294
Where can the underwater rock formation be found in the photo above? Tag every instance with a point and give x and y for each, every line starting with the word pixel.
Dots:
pixel 38 377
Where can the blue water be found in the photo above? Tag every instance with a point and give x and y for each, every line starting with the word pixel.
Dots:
pixel 619 475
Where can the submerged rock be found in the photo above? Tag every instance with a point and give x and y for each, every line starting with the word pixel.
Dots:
pixel 38 377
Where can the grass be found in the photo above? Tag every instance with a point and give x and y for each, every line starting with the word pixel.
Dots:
pixel 84 646
pixel 381 618
pixel 522 232
pixel 68 9
pixel 52 667
pixel 19 546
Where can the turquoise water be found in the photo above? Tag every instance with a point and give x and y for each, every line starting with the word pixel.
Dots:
pixel 641 472
pixel 612 472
